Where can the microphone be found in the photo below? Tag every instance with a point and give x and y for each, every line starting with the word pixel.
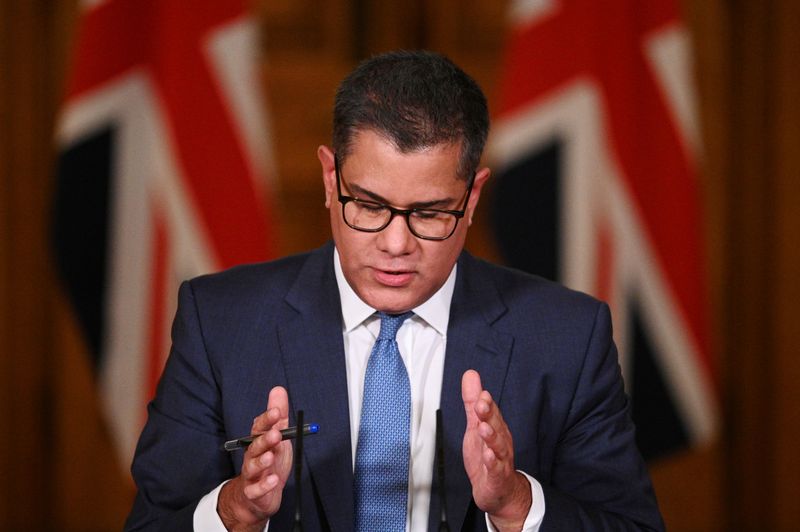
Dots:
pixel 443 526
pixel 298 468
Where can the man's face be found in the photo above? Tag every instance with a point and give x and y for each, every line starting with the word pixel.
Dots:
pixel 392 270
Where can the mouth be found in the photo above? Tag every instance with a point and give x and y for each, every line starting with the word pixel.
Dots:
pixel 393 278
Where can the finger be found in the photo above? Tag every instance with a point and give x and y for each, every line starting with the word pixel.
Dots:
pixel 263 442
pixel 266 460
pixel 493 430
pixel 489 412
pixel 487 432
pixel 497 471
pixel 480 401
pixel 257 465
pixel 254 467
pixel 490 461
pixel 484 405
pixel 265 421
pixel 498 441
pixel 257 490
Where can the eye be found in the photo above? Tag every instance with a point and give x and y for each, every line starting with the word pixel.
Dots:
pixel 428 215
pixel 370 207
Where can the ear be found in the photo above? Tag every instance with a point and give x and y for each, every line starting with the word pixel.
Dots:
pixel 481 177
pixel 326 160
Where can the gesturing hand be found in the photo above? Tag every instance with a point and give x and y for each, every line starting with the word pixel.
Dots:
pixel 497 488
pixel 250 499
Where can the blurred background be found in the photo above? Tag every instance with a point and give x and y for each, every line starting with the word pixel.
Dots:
pixel 731 463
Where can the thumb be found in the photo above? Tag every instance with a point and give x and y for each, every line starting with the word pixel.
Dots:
pixel 279 398
pixel 470 391
pixel 278 401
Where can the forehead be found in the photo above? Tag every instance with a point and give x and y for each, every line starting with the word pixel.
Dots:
pixel 373 159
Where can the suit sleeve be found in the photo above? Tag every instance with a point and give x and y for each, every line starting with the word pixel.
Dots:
pixel 179 458
pixel 599 480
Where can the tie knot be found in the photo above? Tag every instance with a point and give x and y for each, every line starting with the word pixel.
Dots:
pixel 391 323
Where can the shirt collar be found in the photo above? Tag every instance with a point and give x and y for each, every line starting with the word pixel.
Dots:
pixel 435 311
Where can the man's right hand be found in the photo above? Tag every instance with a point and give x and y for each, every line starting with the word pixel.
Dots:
pixel 248 501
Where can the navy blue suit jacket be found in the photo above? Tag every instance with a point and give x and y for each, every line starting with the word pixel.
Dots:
pixel 544 352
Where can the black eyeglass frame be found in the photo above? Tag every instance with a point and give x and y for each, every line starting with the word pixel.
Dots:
pixel 344 200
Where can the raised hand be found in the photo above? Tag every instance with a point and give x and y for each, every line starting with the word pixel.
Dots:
pixel 488 449
pixel 248 501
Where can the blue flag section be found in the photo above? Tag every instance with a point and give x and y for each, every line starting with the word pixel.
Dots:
pixel 80 230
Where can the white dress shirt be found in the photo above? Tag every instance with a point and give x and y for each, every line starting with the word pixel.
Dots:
pixel 421 340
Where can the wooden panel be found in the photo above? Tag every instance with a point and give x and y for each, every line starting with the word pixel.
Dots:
pixel 38 455
pixel 388 25
pixel 785 268
pixel 301 92
pixel 689 485
pixel 94 491
pixel 24 379
pixel 689 491
pixel 748 307
pixel 308 48
pixel 322 28
pixel 469 31
pixel 472 34
pixel 6 360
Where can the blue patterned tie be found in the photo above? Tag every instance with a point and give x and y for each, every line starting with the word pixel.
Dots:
pixel 381 472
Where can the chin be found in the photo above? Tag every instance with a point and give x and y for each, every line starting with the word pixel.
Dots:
pixel 391 302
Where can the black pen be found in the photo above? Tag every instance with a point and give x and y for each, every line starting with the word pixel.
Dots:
pixel 286 434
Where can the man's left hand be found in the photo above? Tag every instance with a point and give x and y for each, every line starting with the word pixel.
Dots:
pixel 497 488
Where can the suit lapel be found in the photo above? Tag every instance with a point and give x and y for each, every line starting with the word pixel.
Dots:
pixel 311 345
pixel 472 343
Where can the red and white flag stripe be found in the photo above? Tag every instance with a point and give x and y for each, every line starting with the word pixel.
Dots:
pixel 177 83
pixel 612 81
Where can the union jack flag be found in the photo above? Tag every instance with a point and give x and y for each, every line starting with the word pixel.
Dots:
pixel 163 153
pixel 596 141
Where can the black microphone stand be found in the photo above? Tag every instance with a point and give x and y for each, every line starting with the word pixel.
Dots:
pixel 298 468
pixel 443 526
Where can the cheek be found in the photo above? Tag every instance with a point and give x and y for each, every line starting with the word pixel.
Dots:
pixel 339 230
pixel 352 245
pixel 440 256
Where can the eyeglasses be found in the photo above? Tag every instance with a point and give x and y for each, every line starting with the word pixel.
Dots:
pixel 372 216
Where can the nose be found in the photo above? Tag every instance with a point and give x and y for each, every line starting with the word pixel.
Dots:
pixel 396 238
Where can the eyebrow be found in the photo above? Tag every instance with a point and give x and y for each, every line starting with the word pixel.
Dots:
pixel 433 204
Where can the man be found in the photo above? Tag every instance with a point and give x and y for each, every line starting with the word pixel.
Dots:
pixel 536 427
